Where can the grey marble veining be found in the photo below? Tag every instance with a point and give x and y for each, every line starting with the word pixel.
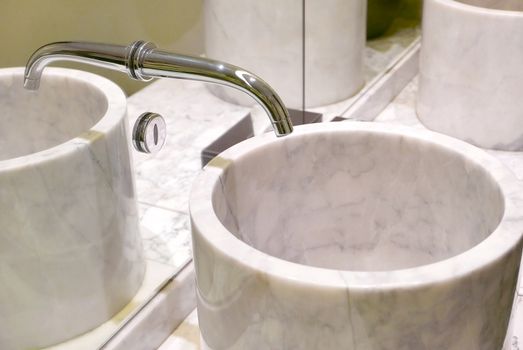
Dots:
pixel 186 336
pixel 470 71
pixel 69 238
pixel 367 234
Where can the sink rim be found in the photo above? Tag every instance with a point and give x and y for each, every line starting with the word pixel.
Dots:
pixel 479 10
pixel 116 111
pixel 501 242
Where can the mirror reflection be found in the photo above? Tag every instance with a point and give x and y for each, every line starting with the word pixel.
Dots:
pixel 320 56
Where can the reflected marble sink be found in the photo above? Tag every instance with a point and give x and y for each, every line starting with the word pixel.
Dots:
pixel 299 47
pixel 471 77
pixel 355 235
pixel 70 251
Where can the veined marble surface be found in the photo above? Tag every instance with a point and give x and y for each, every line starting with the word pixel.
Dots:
pixel 382 57
pixel 400 112
pixel 69 238
pixel 470 71
pixel 195 117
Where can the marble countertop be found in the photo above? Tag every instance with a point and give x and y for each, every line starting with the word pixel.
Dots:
pixel 400 111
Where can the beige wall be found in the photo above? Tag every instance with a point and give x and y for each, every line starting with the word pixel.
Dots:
pixel 26 25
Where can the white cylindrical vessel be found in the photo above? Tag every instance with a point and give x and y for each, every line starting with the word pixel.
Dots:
pixel 322 50
pixel 355 236
pixel 70 250
pixel 471 71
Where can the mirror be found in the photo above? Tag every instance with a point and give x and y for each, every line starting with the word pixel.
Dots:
pixel 322 61
pixel 316 55
pixel 168 229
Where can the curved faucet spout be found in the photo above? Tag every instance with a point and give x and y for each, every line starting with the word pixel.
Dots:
pixel 102 55
pixel 142 61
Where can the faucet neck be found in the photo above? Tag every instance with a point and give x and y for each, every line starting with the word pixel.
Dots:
pixel 142 61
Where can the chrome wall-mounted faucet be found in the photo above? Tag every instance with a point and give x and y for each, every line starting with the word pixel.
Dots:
pixel 143 61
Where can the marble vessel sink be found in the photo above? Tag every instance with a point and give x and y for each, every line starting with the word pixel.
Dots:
pixel 355 236
pixel 471 76
pixel 70 250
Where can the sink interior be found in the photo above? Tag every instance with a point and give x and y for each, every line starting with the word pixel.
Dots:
pixel 370 201
pixel 508 5
pixel 37 120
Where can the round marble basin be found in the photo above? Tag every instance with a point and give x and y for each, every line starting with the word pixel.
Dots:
pixel 471 76
pixel 355 235
pixel 70 250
